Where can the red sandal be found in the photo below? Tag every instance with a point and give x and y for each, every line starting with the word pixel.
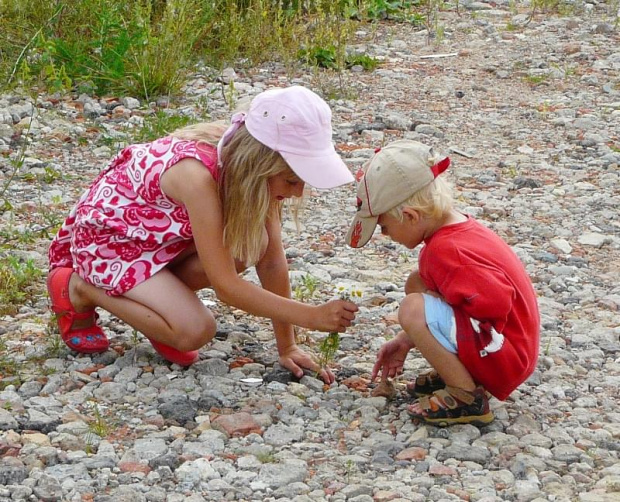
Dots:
pixel 175 356
pixel 85 340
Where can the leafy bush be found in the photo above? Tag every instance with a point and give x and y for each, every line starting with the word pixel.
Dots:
pixel 145 48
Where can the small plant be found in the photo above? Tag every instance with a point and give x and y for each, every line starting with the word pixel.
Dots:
pixel 160 124
pixel 365 61
pixel 349 469
pixel 323 57
pixel 17 282
pixel 231 95
pixel 266 458
pixel 536 79
pixel 548 347
pixel 55 346
pixel 306 289
pixel 331 343
pixel 8 367
pixel 98 424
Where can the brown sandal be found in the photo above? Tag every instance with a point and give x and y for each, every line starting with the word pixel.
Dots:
pixel 452 405
pixel 425 384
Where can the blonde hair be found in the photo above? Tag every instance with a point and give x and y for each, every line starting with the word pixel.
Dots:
pixel 433 201
pixel 243 186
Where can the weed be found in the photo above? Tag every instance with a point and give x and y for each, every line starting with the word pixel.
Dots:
pixel 98 424
pixel 536 79
pixel 18 279
pixel 328 348
pixel 55 346
pixel 16 164
pixel 160 124
pixel 306 289
pixel 349 469
pixel 48 176
pixel 331 343
pixel 367 62
pixel 8 366
pixel 266 458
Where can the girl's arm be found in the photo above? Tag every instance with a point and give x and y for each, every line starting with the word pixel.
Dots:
pixel 272 271
pixel 190 183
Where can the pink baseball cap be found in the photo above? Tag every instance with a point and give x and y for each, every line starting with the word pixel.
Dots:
pixel 296 123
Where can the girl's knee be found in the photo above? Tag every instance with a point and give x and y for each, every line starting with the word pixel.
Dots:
pixel 197 334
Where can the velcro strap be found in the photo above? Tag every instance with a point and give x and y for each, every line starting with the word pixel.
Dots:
pixel 460 394
pixel 425 403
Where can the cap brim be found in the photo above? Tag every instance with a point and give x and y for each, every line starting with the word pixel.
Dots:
pixel 361 231
pixel 327 171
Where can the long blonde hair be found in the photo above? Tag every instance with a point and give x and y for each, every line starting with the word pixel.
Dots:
pixel 242 187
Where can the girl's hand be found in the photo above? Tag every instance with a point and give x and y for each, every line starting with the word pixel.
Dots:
pixel 294 359
pixel 336 315
pixel 391 357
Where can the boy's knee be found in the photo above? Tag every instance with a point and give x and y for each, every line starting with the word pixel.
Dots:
pixel 411 313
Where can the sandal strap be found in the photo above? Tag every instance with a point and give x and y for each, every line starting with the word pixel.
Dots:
pixel 463 395
pixel 449 398
pixel 427 378
pixel 74 316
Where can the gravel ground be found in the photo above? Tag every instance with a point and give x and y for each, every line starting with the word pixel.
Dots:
pixel 529 111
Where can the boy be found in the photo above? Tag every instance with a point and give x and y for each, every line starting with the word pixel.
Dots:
pixel 470 309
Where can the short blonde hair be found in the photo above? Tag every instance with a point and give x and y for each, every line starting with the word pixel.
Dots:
pixel 434 200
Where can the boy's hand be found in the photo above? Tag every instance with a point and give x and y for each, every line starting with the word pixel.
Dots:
pixel 294 359
pixel 335 315
pixel 391 357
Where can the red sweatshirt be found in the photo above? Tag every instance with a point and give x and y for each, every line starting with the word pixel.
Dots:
pixel 497 320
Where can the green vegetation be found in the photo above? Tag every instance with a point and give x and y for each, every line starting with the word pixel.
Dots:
pixel 306 288
pixel 18 281
pixel 160 124
pixel 146 48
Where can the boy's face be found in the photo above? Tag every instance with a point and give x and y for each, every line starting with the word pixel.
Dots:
pixel 409 232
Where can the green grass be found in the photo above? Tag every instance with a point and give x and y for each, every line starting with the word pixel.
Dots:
pixel 136 47
pixel 18 283
pixel 160 124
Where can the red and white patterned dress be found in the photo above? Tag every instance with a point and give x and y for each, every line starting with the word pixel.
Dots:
pixel 124 229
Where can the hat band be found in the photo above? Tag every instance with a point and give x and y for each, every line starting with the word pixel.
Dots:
pixel 236 121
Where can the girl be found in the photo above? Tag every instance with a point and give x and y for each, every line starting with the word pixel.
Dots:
pixel 193 210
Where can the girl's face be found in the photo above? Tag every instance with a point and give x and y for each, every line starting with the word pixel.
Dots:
pixel 285 185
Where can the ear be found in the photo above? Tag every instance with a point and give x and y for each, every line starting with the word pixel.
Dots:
pixel 411 215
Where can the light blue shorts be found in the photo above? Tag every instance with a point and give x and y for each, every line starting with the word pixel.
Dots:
pixel 440 321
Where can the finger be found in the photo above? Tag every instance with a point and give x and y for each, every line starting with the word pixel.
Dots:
pixel 351 307
pixel 294 368
pixel 375 369
pixel 350 316
pixel 331 378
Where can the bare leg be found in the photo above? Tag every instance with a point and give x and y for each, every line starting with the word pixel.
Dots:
pixel 448 365
pixel 414 283
pixel 164 307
